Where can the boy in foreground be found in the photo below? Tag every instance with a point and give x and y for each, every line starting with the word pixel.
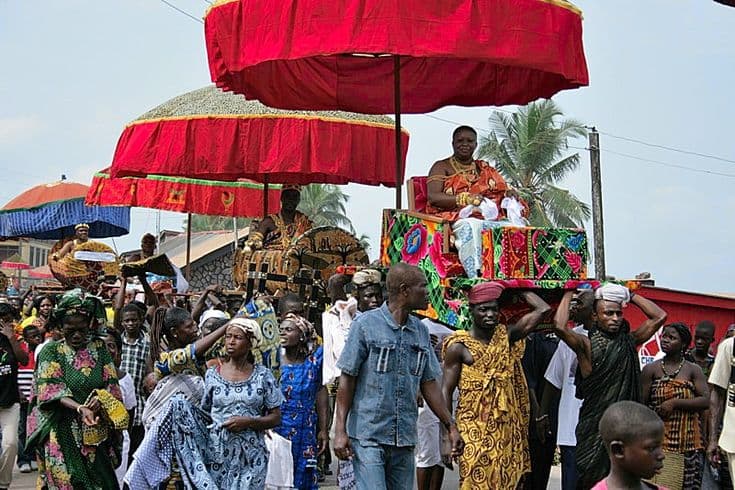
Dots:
pixel 633 435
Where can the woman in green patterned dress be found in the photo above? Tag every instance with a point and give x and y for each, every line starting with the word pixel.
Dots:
pixel 75 395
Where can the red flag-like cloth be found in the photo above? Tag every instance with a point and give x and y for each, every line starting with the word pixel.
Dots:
pixel 235 199
pixel 304 54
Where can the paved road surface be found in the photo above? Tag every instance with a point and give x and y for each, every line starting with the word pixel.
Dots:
pixel 28 481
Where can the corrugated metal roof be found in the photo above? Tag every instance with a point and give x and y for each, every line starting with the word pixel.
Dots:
pixel 203 243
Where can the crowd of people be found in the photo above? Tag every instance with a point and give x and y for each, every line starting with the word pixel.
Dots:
pixel 158 395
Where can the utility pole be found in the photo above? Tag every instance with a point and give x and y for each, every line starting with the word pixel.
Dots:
pixel 597 222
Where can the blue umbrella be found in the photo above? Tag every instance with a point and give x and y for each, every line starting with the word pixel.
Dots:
pixel 50 212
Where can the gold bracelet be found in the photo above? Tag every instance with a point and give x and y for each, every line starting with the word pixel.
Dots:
pixel 462 199
pixel 79 409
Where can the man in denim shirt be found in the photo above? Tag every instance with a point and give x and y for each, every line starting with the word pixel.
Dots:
pixel 386 360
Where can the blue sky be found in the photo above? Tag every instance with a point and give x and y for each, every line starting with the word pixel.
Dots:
pixel 75 72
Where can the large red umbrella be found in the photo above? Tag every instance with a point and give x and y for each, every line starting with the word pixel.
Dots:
pixel 236 199
pixel 378 56
pixel 210 134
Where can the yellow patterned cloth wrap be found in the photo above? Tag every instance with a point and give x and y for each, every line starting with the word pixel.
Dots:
pixel 492 413
pixel 113 417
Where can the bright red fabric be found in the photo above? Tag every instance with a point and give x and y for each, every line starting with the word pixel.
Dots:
pixel 238 199
pixel 297 54
pixel 286 150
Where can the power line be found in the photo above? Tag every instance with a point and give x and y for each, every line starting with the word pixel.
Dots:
pixel 669 148
pixel 626 155
pixel 666 164
pixel 182 11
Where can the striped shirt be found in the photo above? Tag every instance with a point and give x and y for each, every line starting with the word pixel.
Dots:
pixel 25 373
pixel 134 362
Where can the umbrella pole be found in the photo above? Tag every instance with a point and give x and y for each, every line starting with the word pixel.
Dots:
pixel 265 196
pixel 188 249
pixel 397 107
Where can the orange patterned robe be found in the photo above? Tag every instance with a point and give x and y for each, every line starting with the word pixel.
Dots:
pixel 493 413
pixel 283 235
pixel 484 180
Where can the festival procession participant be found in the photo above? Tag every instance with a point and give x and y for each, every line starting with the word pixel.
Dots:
pixel 11 356
pixel 147 248
pixel 632 435
pixel 134 354
pixel 493 408
pixel 31 339
pixel 336 321
pixel 704 335
pixel 461 185
pixel 539 350
pixel 730 331
pixel 77 413
pixel 677 391
pixel 81 235
pixel 721 446
pixel 304 412
pixel 43 305
pixel 113 342
pixel 177 356
pixel 608 369
pixel 367 294
pixel 243 400
pixel 276 231
pixel 387 360
pixel 560 377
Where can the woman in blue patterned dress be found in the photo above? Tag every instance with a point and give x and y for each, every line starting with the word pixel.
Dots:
pixel 305 406
pixel 243 400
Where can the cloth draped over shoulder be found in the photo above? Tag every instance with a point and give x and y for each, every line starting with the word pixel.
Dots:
pixel 615 377
pixel 73 456
pixel 492 413
pixel 483 179
pixel 281 237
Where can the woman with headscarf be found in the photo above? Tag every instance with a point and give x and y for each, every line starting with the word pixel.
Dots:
pixel 677 390
pixel 177 359
pixel 76 414
pixel 243 400
pixel 304 411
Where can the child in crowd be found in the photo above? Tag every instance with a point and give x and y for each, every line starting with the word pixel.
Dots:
pixel 633 435
pixel 114 343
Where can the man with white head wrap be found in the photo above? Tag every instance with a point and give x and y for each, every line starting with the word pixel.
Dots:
pixel 608 369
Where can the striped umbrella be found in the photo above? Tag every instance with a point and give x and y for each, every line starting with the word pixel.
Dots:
pixel 50 212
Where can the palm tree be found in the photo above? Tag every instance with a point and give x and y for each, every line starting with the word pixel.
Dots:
pixel 201 222
pixel 324 204
pixel 529 149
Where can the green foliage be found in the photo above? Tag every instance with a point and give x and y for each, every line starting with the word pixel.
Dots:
pixel 200 222
pixel 529 149
pixel 324 204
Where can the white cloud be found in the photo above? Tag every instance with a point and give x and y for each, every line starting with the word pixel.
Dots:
pixel 19 128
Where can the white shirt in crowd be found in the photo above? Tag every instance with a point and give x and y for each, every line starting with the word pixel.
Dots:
pixel 128 393
pixel 336 323
pixel 720 376
pixel 561 373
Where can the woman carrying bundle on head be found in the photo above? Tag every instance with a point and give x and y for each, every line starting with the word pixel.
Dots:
pixel 677 391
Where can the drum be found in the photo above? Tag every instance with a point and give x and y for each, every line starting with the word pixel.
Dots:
pixel 85 274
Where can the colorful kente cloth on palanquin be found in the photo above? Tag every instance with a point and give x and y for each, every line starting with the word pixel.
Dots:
pixel 281 237
pixel 483 179
pixel 615 377
pixel 683 445
pixel 492 413
pixel 57 432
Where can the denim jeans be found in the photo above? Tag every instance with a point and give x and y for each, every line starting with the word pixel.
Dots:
pixel 568 467
pixel 383 467
pixel 24 456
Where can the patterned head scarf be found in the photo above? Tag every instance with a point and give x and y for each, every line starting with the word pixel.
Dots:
pixel 307 330
pixel 250 328
pixel 365 277
pixel 77 302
